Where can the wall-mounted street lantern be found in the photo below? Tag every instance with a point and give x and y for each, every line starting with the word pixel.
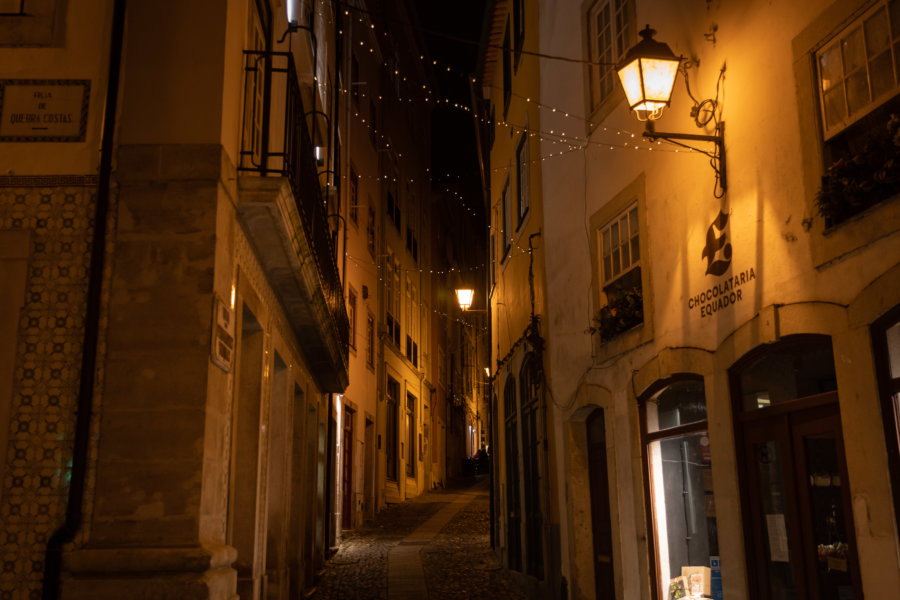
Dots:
pixel 464 297
pixel 647 73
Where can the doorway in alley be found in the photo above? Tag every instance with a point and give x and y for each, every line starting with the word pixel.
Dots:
pixel 798 521
pixel 244 508
pixel 347 470
pixel 513 509
pixel 600 505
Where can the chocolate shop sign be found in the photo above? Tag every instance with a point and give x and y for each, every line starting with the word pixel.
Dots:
pixel 727 290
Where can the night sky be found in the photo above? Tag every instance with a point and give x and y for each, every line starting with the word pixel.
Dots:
pixel 451 31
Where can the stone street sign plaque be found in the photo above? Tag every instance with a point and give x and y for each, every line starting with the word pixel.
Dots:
pixel 44 110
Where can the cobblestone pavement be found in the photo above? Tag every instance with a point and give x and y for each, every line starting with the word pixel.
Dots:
pixel 457 562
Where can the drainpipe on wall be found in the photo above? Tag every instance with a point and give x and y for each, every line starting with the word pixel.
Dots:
pixel 331 498
pixel 75 505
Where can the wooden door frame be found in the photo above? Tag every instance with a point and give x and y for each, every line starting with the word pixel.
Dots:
pixel 887 386
pixel 743 419
pixel 599 413
pixel 646 438
pixel 814 425
pixel 751 432
pixel 347 468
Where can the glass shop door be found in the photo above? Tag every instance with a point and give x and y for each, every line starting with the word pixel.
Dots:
pixel 799 520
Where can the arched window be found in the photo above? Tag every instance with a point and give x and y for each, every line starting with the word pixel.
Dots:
pixel 678 481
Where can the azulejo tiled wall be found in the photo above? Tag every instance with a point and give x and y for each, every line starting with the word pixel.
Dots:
pixel 58 212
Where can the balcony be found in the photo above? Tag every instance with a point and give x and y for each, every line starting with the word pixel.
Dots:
pixel 282 209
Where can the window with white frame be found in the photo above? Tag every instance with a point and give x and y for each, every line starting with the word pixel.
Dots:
pixel 610 29
pixel 620 272
pixel 858 88
pixel 679 476
pixel 859 69
pixel 620 245
pixel 523 170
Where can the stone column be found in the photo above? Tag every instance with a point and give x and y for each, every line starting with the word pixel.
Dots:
pixel 156 523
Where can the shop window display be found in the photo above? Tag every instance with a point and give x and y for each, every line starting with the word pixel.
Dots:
pixel 682 503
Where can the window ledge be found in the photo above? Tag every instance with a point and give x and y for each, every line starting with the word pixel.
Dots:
pixel 624 342
pixel 836 242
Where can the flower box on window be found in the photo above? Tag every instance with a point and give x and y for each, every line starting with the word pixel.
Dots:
pixel 856 182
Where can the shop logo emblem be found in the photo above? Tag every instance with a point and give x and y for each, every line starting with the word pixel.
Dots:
pixel 717 251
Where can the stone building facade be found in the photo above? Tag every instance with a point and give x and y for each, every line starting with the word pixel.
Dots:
pixel 167 378
pixel 719 340
pixel 198 397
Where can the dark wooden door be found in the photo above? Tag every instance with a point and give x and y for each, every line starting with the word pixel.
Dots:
pixel 347 472
pixel 600 519
pixel 799 519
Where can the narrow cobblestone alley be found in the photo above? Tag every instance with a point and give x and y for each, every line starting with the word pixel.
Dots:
pixel 435 546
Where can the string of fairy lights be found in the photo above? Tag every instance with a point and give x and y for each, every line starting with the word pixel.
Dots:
pixel 360 16
pixel 561 141
pixel 434 310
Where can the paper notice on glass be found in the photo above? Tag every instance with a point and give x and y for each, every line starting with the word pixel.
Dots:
pixel 778 543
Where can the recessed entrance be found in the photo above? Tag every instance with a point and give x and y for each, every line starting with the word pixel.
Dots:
pixel 600 506
pixel 798 523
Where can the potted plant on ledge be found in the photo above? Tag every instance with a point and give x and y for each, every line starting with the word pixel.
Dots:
pixel 858 181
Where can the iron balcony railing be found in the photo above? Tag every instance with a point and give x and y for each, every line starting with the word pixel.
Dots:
pixel 272 96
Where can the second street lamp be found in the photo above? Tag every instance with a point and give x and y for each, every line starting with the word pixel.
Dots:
pixel 464 297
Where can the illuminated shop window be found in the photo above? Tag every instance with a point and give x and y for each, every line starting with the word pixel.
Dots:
pixel 886 338
pixel 679 481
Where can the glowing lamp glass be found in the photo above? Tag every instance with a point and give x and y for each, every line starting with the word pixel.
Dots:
pixel 648 75
pixel 464 297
